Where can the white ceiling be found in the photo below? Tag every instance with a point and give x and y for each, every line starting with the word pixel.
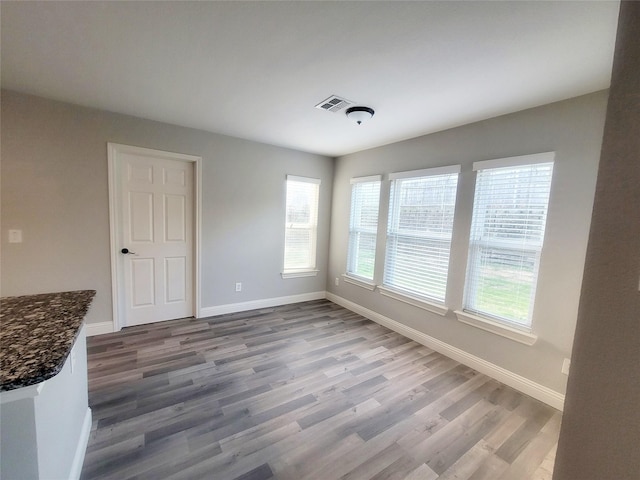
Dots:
pixel 256 70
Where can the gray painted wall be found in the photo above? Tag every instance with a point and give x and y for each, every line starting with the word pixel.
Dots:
pixel 600 434
pixel 54 188
pixel 573 129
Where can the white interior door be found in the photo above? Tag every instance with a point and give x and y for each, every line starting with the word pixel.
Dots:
pixel 156 236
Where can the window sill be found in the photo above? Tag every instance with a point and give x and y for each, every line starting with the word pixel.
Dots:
pixel 359 282
pixel 415 301
pixel 300 273
pixel 506 331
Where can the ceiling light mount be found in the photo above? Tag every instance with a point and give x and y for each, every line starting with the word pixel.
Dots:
pixel 359 114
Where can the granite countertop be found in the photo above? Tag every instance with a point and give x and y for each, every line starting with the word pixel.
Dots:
pixel 37 333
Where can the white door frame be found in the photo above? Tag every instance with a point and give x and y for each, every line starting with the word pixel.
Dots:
pixel 117 263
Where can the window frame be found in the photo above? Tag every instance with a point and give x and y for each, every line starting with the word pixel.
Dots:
pixel 310 269
pixel 493 322
pixel 356 231
pixel 391 288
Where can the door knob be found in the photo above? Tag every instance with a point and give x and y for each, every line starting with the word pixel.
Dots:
pixel 127 251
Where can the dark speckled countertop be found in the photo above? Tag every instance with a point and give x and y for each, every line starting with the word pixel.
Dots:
pixel 37 333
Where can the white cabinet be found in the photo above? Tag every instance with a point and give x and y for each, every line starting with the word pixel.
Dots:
pixel 44 428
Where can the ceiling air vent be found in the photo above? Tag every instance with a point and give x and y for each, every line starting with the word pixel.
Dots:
pixel 334 104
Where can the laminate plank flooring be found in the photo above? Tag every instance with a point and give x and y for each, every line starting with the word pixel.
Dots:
pixel 303 391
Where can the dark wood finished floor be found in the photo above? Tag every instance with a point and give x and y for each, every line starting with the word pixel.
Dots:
pixel 304 391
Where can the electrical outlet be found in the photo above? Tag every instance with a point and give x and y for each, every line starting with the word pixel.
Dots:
pixel 15 236
pixel 565 366
pixel 337 282
pixel 238 287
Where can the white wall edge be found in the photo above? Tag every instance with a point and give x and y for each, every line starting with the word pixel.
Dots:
pixel 263 303
pixel 100 328
pixel 7 396
pixel 520 383
pixel 81 448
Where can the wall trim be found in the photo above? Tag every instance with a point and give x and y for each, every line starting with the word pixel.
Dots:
pixel 520 383
pixel 415 301
pixel 81 448
pixel 512 333
pixel 366 284
pixel 262 303
pixel 100 328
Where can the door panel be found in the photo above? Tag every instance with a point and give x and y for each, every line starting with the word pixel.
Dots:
pixel 175 218
pixel 140 174
pixel 175 177
pixel 175 279
pixel 141 217
pixel 142 279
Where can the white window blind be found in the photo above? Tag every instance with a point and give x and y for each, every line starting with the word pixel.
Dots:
pixel 421 210
pixel 363 226
pixel 507 231
pixel 301 224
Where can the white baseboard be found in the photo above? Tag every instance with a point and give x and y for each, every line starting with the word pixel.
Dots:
pixel 520 383
pixel 107 327
pixel 263 303
pixel 81 448
pixel 99 328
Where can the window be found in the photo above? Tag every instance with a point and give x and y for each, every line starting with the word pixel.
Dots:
pixel 363 226
pixel 507 229
pixel 421 210
pixel 301 226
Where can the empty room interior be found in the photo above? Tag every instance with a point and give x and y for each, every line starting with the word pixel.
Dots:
pixel 320 240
